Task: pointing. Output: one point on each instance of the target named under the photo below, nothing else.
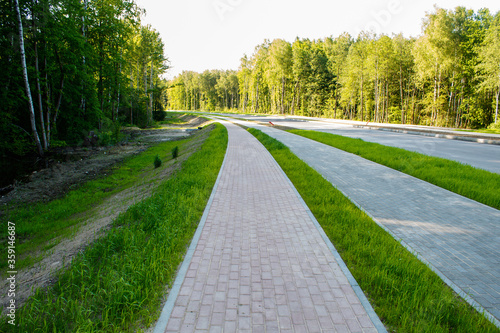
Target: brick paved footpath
(261, 264)
(457, 237)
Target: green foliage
(448, 76)
(159, 115)
(476, 184)
(118, 283)
(110, 133)
(489, 67)
(175, 152)
(405, 293)
(494, 126)
(58, 144)
(157, 162)
(87, 62)
(14, 139)
(210, 90)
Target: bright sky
(215, 34)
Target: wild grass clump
(117, 284)
(473, 183)
(157, 162)
(406, 294)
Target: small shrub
(58, 144)
(105, 138)
(494, 126)
(175, 152)
(157, 162)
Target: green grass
(404, 292)
(117, 284)
(40, 223)
(473, 183)
(483, 130)
(173, 118)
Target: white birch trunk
(26, 80)
(83, 101)
(496, 109)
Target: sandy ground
(55, 181)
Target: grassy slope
(117, 284)
(38, 224)
(405, 293)
(476, 184)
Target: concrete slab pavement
(458, 237)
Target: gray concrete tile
(458, 237)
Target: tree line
(448, 76)
(70, 66)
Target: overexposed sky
(215, 34)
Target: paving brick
(205, 310)
(174, 324)
(260, 263)
(354, 325)
(244, 323)
(216, 329)
(230, 326)
(313, 325)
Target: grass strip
(406, 294)
(173, 118)
(473, 183)
(38, 224)
(483, 130)
(117, 284)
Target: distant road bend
(483, 156)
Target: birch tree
(26, 79)
(337, 50)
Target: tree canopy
(87, 64)
(448, 76)
(78, 65)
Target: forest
(448, 76)
(74, 66)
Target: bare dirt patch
(190, 121)
(81, 166)
(98, 221)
